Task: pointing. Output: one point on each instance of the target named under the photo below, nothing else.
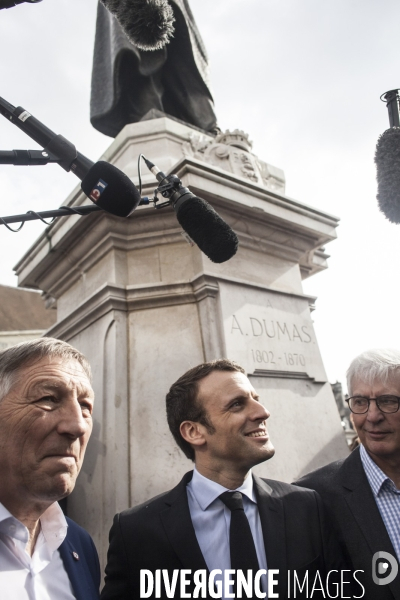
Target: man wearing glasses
(362, 492)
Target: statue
(128, 83)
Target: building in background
(344, 412)
(23, 316)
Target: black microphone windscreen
(387, 160)
(147, 23)
(111, 189)
(213, 236)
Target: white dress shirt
(41, 576)
(211, 521)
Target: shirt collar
(206, 491)
(53, 524)
(11, 527)
(375, 475)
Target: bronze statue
(129, 83)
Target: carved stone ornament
(232, 151)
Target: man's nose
(374, 414)
(71, 420)
(259, 412)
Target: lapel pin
(75, 555)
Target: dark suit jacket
(348, 498)
(160, 535)
(81, 562)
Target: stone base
(144, 306)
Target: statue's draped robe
(127, 82)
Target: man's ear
(193, 433)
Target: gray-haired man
(46, 403)
(363, 491)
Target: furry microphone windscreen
(387, 160)
(147, 23)
(213, 236)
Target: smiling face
(45, 425)
(379, 432)
(240, 439)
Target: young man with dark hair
(183, 404)
(220, 516)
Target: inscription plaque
(273, 335)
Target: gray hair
(26, 353)
(373, 365)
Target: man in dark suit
(362, 492)
(220, 516)
(46, 403)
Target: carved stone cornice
(112, 297)
(143, 297)
(238, 191)
(205, 286)
(264, 221)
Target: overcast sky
(302, 77)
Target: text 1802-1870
(268, 357)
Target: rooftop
(22, 309)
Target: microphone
(212, 235)
(11, 3)
(387, 160)
(111, 189)
(103, 183)
(148, 24)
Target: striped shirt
(387, 498)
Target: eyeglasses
(360, 405)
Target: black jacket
(348, 499)
(160, 535)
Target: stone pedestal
(144, 306)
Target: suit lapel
(361, 502)
(77, 572)
(272, 518)
(179, 527)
